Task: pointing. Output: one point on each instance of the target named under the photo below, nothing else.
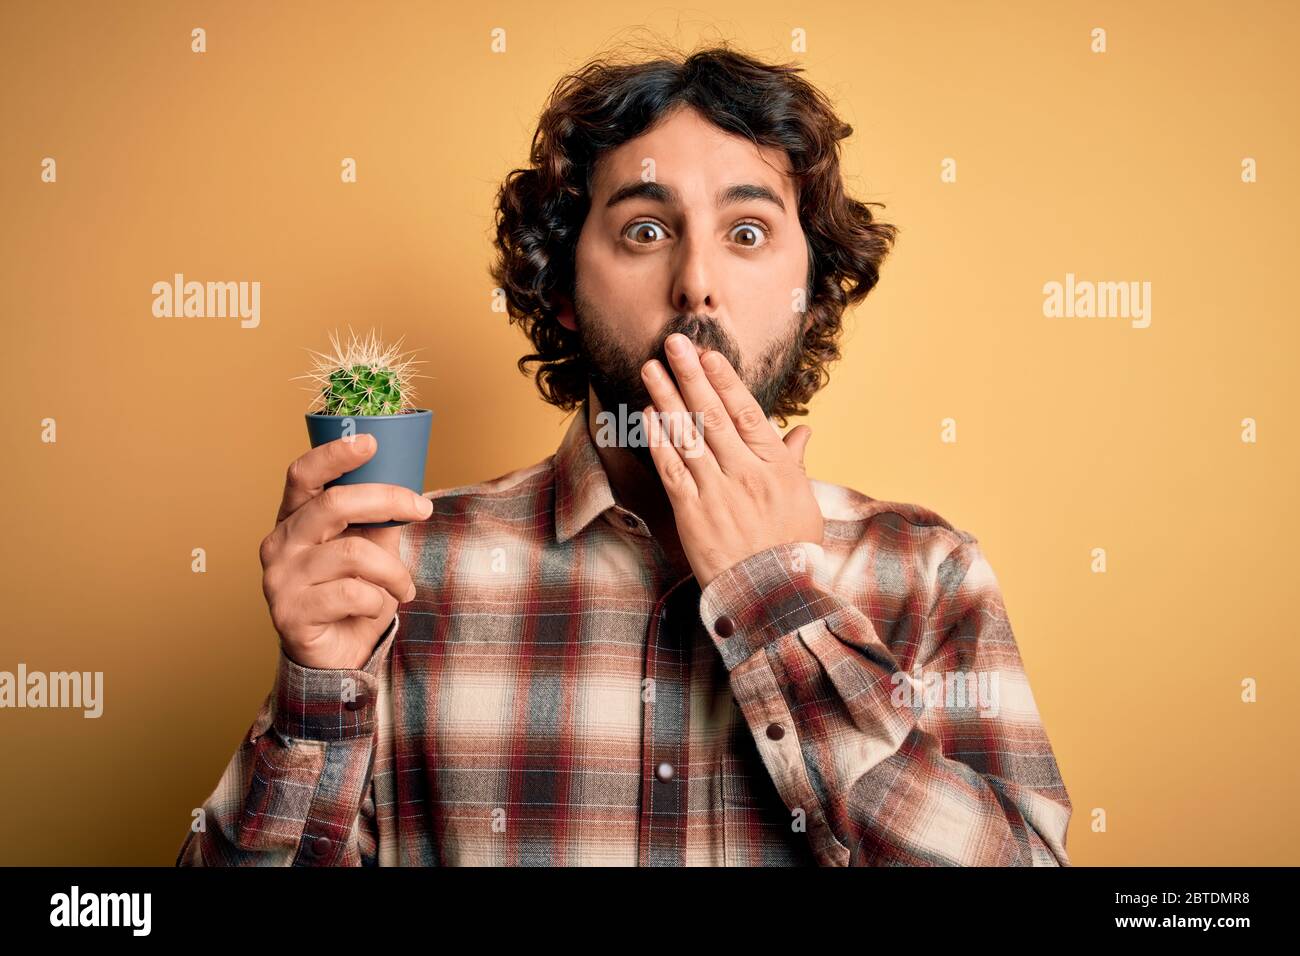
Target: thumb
(797, 441)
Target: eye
(755, 229)
(638, 229)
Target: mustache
(614, 372)
(703, 331)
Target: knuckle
(675, 471)
(713, 416)
(278, 620)
(266, 552)
(351, 550)
(272, 580)
(293, 474)
(750, 418)
(331, 499)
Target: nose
(694, 290)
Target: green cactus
(363, 378)
(363, 391)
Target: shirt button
(665, 771)
(775, 731)
(321, 845)
(725, 626)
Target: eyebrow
(727, 196)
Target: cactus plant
(363, 377)
(365, 388)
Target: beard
(615, 374)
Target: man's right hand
(333, 590)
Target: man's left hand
(739, 488)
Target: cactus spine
(363, 377)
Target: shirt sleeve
(298, 791)
(947, 764)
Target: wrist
(329, 703)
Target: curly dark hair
(540, 210)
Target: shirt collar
(582, 489)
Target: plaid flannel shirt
(554, 695)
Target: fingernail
(410, 595)
(426, 506)
(365, 442)
(678, 343)
(653, 369)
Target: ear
(565, 315)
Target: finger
(307, 475)
(350, 556)
(339, 599)
(390, 539)
(750, 422)
(702, 398)
(328, 514)
(676, 424)
(673, 472)
(797, 442)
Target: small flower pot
(403, 448)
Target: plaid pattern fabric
(554, 695)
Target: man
(664, 644)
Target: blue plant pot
(403, 448)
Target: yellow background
(1072, 433)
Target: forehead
(696, 157)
